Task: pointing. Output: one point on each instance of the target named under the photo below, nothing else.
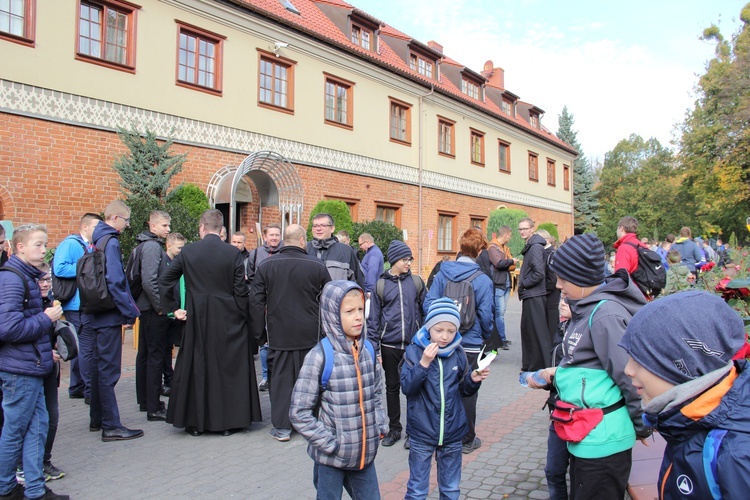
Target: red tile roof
(313, 22)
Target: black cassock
(214, 386)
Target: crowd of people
(334, 333)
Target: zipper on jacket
(442, 404)
(583, 390)
(664, 479)
(356, 353)
(403, 325)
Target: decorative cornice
(62, 107)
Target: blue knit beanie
(442, 309)
(398, 250)
(684, 336)
(580, 260)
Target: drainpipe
(421, 167)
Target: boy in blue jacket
(395, 315)
(693, 392)
(25, 359)
(436, 375)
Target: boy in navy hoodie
(436, 375)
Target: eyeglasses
(524, 228)
(126, 219)
(408, 260)
(321, 226)
(45, 280)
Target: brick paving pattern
(169, 463)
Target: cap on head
(580, 260)
(442, 309)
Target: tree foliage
(715, 142)
(641, 178)
(382, 232)
(551, 228)
(508, 217)
(147, 169)
(191, 197)
(585, 204)
(342, 219)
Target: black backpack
(462, 294)
(91, 274)
(650, 275)
(64, 288)
(133, 270)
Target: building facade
(278, 104)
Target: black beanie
(580, 260)
(398, 250)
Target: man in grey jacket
(154, 323)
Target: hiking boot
(391, 438)
(469, 447)
(263, 386)
(51, 472)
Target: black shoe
(407, 443)
(121, 434)
(470, 447)
(391, 438)
(51, 495)
(15, 494)
(159, 415)
(166, 391)
(193, 431)
(76, 395)
(95, 427)
(505, 346)
(263, 386)
(229, 432)
(87, 401)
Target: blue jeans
(360, 484)
(24, 432)
(264, 361)
(448, 458)
(557, 466)
(501, 304)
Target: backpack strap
(328, 360)
(591, 317)
(471, 278)
(23, 280)
(418, 283)
(380, 288)
(710, 454)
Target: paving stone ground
(168, 463)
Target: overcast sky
(620, 67)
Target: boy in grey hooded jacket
(342, 424)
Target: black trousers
(470, 404)
(149, 362)
(553, 312)
(536, 343)
(392, 357)
(174, 337)
(594, 478)
(283, 370)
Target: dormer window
(534, 121)
(470, 88)
(421, 65)
(506, 107)
(361, 36)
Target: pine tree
(148, 168)
(585, 204)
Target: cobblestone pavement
(169, 463)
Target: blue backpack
(328, 360)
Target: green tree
(641, 178)
(382, 232)
(508, 217)
(585, 204)
(551, 228)
(191, 197)
(147, 169)
(715, 142)
(342, 219)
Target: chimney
(435, 46)
(495, 76)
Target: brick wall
(54, 172)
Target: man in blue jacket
(372, 262)
(66, 258)
(105, 355)
(25, 359)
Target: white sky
(620, 67)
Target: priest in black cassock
(214, 386)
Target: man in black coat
(285, 303)
(214, 387)
(536, 342)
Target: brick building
(279, 104)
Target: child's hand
(429, 354)
(478, 376)
(54, 313)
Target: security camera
(281, 45)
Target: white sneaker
(20, 478)
(282, 435)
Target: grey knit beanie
(398, 250)
(580, 260)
